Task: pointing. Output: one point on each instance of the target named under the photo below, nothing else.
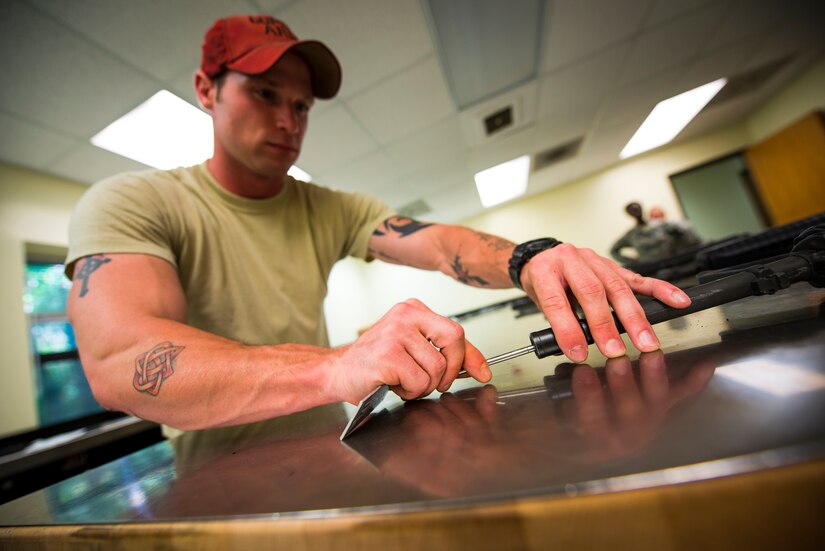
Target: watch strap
(523, 252)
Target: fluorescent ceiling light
(669, 117)
(299, 174)
(503, 182)
(164, 132)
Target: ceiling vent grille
(557, 154)
(415, 209)
(748, 81)
(499, 120)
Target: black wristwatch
(524, 252)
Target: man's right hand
(412, 349)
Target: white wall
(34, 209)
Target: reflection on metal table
(737, 389)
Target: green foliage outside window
(62, 391)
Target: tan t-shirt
(253, 270)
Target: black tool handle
(757, 280)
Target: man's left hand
(597, 284)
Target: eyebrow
(275, 83)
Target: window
(62, 392)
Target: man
(197, 295)
(652, 240)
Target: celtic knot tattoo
(155, 366)
(91, 264)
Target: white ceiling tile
(802, 33)
(367, 174)
(129, 29)
(437, 177)
(664, 10)
(633, 102)
(433, 145)
(454, 203)
(724, 62)
(272, 6)
(524, 142)
(672, 44)
(403, 104)
(334, 138)
(373, 39)
(582, 85)
(395, 194)
(26, 144)
(89, 164)
(747, 18)
(560, 128)
(57, 79)
(183, 86)
(578, 28)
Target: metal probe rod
(510, 355)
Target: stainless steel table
(736, 397)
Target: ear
(205, 89)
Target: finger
(590, 291)
(409, 381)
(627, 401)
(590, 403)
(448, 337)
(693, 383)
(625, 305)
(487, 403)
(475, 365)
(653, 377)
(553, 302)
(474, 427)
(428, 359)
(661, 290)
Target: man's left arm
(550, 278)
(468, 256)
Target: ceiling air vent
(748, 81)
(499, 120)
(414, 209)
(548, 157)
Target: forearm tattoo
(462, 275)
(494, 242)
(155, 366)
(90, 264)
(400, 226)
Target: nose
(286, 119)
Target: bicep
(406, 241)
(112, 291)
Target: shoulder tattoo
(400, 226)
(90, 265)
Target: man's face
(260, 120)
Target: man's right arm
(129, 314)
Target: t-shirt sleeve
(363, 214)
(118, 215)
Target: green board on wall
(717, 200)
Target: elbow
(102, 387)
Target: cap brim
(323, 65)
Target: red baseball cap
(251, 44)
